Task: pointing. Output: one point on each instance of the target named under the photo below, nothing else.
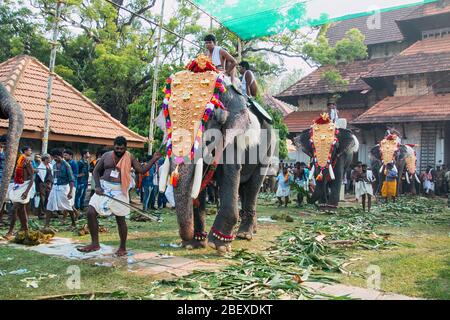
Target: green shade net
(250, 19)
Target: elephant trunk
(9, 109)
(184, 201)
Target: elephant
(235, 179)
(328, 188)
(11, 111)
(400, 158)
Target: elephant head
(231, 121)
(328, 175)
(9, 109)
(411, 164)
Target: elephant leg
(335, 186)
(200, 235)
(248, 213)
(221, 233)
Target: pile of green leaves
(405, 211)
(256, 276)
(304, 253)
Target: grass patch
(415, 261)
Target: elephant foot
(198, 242)
(248, 225)
(193, 244)
(219, 241)
(329, 208)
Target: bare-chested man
(112, 175)
(21, 191)
(219, 56)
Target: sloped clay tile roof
(429, 9)
(388, 31)
(408, 109)
(352, 72)
(301, 120)
(283, 107)
(428, 55)
(72, 114)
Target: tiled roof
(283, 107)
(301, 120)
(72, 114)
(429, 9)
(408, 109)
(352, 72)
(429, 55)
(388, 31)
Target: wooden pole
(54, 44)
(239, 49)
(155, 83)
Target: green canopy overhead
(250, 19)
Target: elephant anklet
(222, 237)
(200, 236)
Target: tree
(346, 50)
(19, 35)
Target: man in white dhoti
(21, 191)
(62, 192)
(363, 178)
(112, 175)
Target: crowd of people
(359, 181)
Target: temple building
(405, 81)
(75, 122)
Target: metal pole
(51, 75)
(155, 82)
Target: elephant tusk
(381, 168)
(198, 174)
(164, 175)
(407, 178)
(311, 173)
(417, 178)
(331, 171)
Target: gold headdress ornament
(191, 96)
(323, 139)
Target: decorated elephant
(411, 168)
(224, 130)
(390, 150)
(331, 151)
(10, 110)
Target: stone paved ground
(138, 261)
(165, 267)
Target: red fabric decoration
(323, 119)
(193, 66)
(18, 175)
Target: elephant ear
(302, 142)
(375, 152)
(237, 117)
(347, 142)
(402, 152)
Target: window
(442, 85)
(436, 33)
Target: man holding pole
(112, 175)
